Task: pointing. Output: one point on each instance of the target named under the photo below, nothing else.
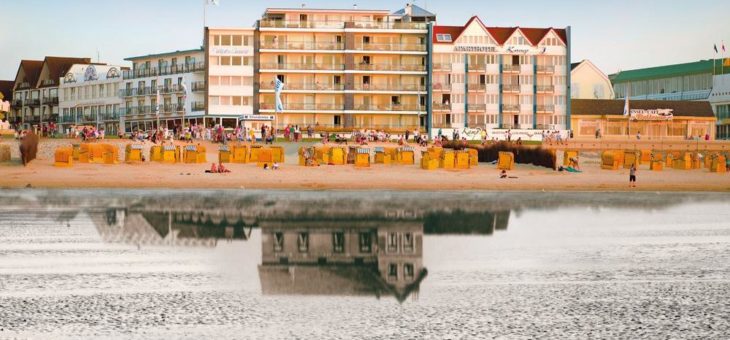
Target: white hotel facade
(500, 78)
(88, 96)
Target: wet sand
(42, 174)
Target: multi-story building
(89, 96)
(345, 69)
(26, 100)
(6, 99)
(500, 78)
(173, 75)
(688, 81)
(588, 82)
(230, 77)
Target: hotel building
(345, 69)
(88, 96)
(230, 76)
(180, 78)
(499, 78)
(36, 90)
(720, 101)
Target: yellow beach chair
(133, 153)
(506, 161)
(63, 157)
(362, 157)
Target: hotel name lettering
(475, 49)
(495, 49)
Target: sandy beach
(42, 174)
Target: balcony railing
(303, 86)
(510, 88)
(23, 86)
(509, 68)
(198, 106)
(389, 107)
(441, 106)
(388, 87)
(545, 69)
(442, 67)
(390, 67)
(477, 67)
(48, 82)
(172, 88)
(387, 25)
(391, 47)
(198, 86)
(507, 126)
(441, 87)
(167, 70)
(545, 88)
(477, 107)
(302, 45)
(510, 108)
(33, 102)
(301, 66)
(17, 103)
(303, 106)
(545, 108)
(477, 87)
(50, 100)
(301, 24)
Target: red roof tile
(501, 34)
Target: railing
(389, 107)
(386, 25)
(391, 47)
(172, 88)
(442, 67)
(167, 70)
(477, 87)
(67, 119)
(507, 126)
(388, 87)
(508, 68)
(510, 88)
(301, 66)
(545, 108)
(302, 45)
(389, 67)
(198, 106)
(477, 107)
(477, 67)
(547, 127)
(50, 100)
(48, 82)
(441, 106)
(198, 86)
(545, 88)
(510, 108)
(303, 106)
(441, 87)
(23, 86)
(17, 103)
(33, 102)
(303, 86)
(300, 24)
(545, 69)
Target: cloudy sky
(615, 35)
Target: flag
(723, 46)
(626, 103)
(715, 47)
(278, 86)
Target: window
(226, 40)
(226, 61)
(236, 61)
(237, 40)
(446, 37)
(365, 241)
(303, 242)
(392, 242)
(278, 241)
(392, 271)
(338, 242)
(408, 271)
(236, 101)
(408, 242)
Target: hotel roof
(32, 69)
(326, 10)
(416, 11)
(666, 71)
(500, 34)
(58, 66)
(164, 54)
(611, 107)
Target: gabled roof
(416, 11)
(611, 107)
(501, 34)
(32, 70)
(6, 88)
(58, 66)
(164, 54)
(666, 71)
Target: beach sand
(42, 174)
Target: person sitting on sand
(222, 169)
(213, 169)
(503, 174)
(275, 166)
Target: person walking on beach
(632, 176)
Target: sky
(615, 35)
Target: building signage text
(257, 117)
(656, 114)
(230, 50)
(495, 49)
(475, 49)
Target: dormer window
(446, 37)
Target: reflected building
(342, 257)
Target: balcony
(33, 102)
(442, 67)
(301, 24)
(509, 68)
(510, 88)
(441, 106)
(388, 107)
(172, 88)
(391, 47)
(545, 88)
(302, 45)
(48, 82)
(507, 126)
(303, 86)
(477, 67)
(198, 106)
(441, 87)
(67, 119)
(50, 100)
(477, 87)
(167, 70)
(303, 106)
(388, 87)
(390, 67)
(198, 86)
(386, 25)
(510, 108)
(545, 108)
(301, 66)
(477, 107)
(17, 103)
(23, 86)
(545, 69)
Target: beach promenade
(42, 174)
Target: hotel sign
(656, 114)
(495, 49)
(475, 49)
(257, 117)
(227, 50)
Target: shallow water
(161, 264)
